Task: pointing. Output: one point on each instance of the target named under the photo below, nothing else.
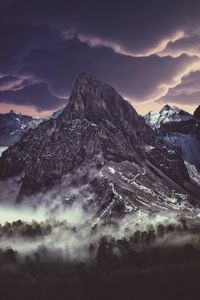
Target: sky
(148, 50)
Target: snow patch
(111, 170)
(193, 173)
(2, 149)
(187, 144)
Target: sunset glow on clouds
(149, 51)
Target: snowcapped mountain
(181, 132)
(13, 126)
(168, 115)
(101, 154)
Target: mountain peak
(166, 107)
(167, 115)
(97, 146)
(12, 112)
(88, 84)
(97, 101)
(83, 76)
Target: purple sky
(148, 50)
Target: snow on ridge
(166, 115)
(193, 173)
(187, 144)
(2, 149)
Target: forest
(161, 262)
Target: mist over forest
(48, 256)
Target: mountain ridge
(111, 160)
(180, 131)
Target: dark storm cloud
(36, 95)
(52, 41)
(134, 77)
(5, 3)
(17, 40)
(136, 25)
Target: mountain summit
(169, 114)
(99, 103)
(96, 101)
(180, 131)
(100, 153)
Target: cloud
(136, 78)
(134, 25)
(10, 82)
(143, 49)
(17, 40)
(187, 92)
(36, 95)
(189, 44)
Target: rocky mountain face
(100, 153)
(197, 113)
(180, 131)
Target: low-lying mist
(69, 233)
(57, 252)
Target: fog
(68, 232)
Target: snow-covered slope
(2, 149)
(13, 126)
(188, 145)
(167, 115)
(180, 131)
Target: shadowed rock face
(197, 113)
(99, 145)
(99, 103)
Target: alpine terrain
(100, 153)
(13, 126)
(180, 131)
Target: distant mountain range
(14, 125)
(100, 153)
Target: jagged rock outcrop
(197, 113)
(99, 148)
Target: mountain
(13, 126)
(197, 113)
(101, 154)
(180, 131)
(56, 113)
(170, 118)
